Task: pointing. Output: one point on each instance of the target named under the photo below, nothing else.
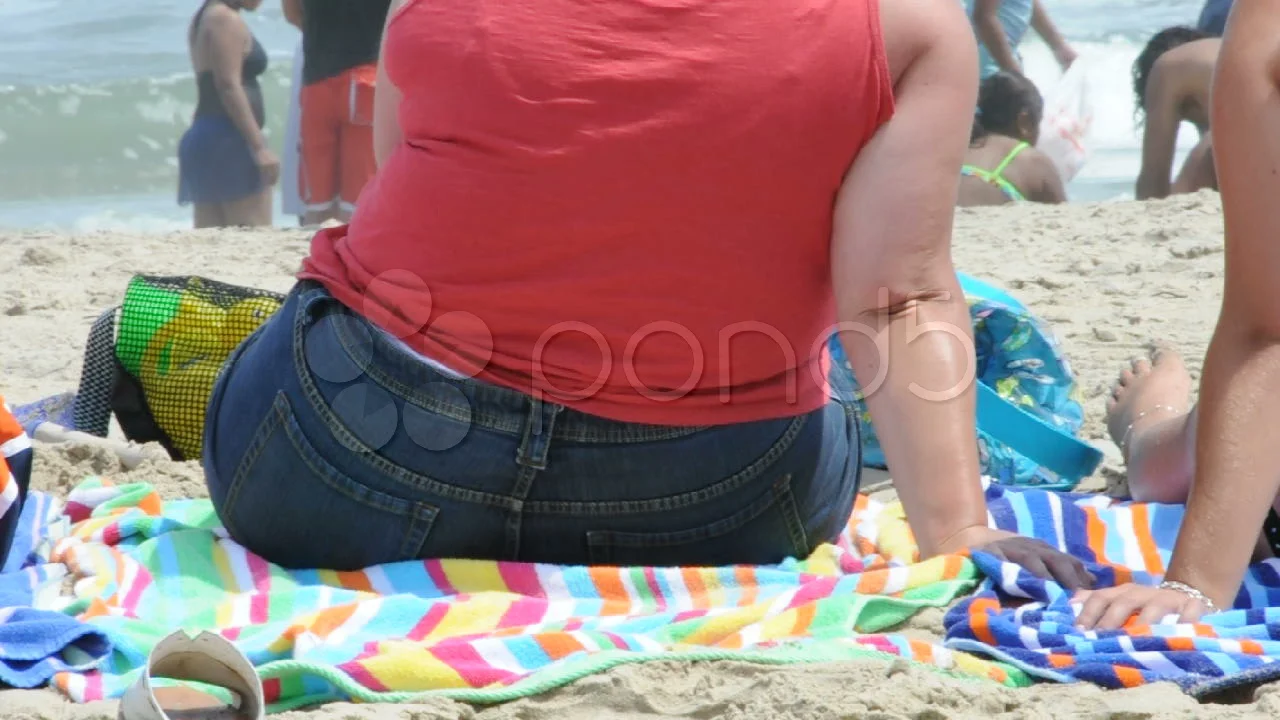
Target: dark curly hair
(1160, 43)
(1002, 97)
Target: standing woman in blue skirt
(225, 167)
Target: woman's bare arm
(905, 323)
(1160, 134)
(891, 258)
(1197, 171)
(1048, 31)
(293, 12)
(990, 31)
(386, 101)
(222, 39)
(1237, 468)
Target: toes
(1126, 377)
(1141, 366)
(1164, 354)
(1158, 348)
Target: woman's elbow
(1248, 319)
(227, 87)
(889, 297)
(987, 27)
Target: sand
(1111, 278)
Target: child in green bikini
(1002, 164)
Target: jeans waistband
(481, 404)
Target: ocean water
(95, 95)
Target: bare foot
(1147, 391)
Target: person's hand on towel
(1112, 607)
(1036, 556)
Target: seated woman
(1219, 457)
(1002, 164)
(581, 312)
(1171, 80)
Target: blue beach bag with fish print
(1029, 410)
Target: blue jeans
(328, 445)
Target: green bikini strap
(1017, 149)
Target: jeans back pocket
(292, 507)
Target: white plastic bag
(1068, 118)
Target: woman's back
(1001, 169)
(592, 198)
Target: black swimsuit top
(210, 102)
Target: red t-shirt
(624, 207)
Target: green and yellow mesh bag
(173, 335)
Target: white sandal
(207, 658)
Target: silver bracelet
(1190, 592)
(1124, 439)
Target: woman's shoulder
(1187, 60)
(1032, 155)
(1028, 157)
(220, 17)
(1030, 150)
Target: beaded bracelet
(1190, 592)
(1124, 439)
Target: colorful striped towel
(484, 631)
(36, 644)
(1020, 619)
(15, 476)
(27, 579)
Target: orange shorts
(336, 138)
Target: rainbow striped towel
(15, 477)
(483, 631)
(1025, 621)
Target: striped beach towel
(15, 477)
(41, 523)
(1030, 623)
(34, 644)
(484, 631)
